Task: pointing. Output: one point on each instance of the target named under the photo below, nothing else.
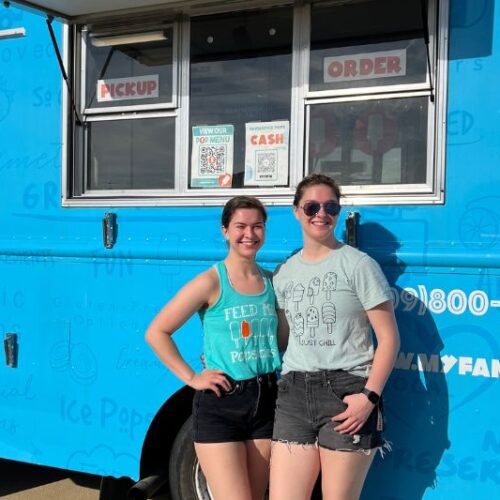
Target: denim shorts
(308, 400)
(243, 413)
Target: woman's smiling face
(245, 233)
(318, 227)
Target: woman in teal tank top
(233, 406)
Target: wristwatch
(371, 395)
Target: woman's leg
(225, 468)
(294, 470)
(258, 455)
(343, 473)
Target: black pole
(424, 7)
(61, 66)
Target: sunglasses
(311, 208)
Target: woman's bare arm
(196, 294)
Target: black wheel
(187, 481)
(113, 488)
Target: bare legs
(239, 471)
(345, 473)
(295, 468)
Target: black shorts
(307, 401)
(245, 412)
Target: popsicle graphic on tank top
(241, 332)
(245, 330)
(250, 332)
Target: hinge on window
(351, 229)
(109, 230)
(11, 349)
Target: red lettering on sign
(126, 88)
(379, 65)
(151, 87)
(335, 69)
(393, 64)
(365, 66)
(142, 88)
(104, 90)
(129, 89)
(268, 139)
(350, 68)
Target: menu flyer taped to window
(266, 153)
(212, 156)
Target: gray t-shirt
(325, 304)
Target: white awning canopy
(84, 11)
(81, 11)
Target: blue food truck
(125, 126)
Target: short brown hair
(241, 202)
(315, 180)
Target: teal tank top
(240, 330)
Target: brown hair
(315, 180)
(241, 202)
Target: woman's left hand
(355, 415)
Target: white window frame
(432, 192)
(172, 104)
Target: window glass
(367, 43)
(129, 69)
(131, 154)
(370, 142)
(240, 73)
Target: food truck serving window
(189, 109)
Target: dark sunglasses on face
(311, 208)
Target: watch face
(372, 396)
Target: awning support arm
(425, 26)
(61, 66)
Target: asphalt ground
(20, 481)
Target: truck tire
(186, 479)
(113, 488)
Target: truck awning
(81, 11)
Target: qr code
(213, 160)
(266, 165)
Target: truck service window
(359, 51)
(241, 73)
(126, 141)
(197, 104)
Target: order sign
(364, 66)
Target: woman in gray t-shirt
(329, 410)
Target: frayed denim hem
(385, 448)
(294, 443)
